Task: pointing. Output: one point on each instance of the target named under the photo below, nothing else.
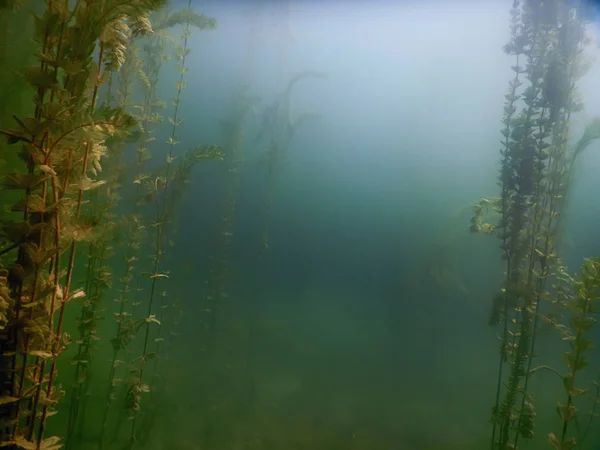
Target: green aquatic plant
(482, 211)
(129, 226)
(278, 122)
(441, 266)
(233, 129)
(216, 292)
(591, 133)
(547, 45)
(213, 328)
(278, 128)
(161, 190)
(101, 210)
(178, 180)
(146, 72)
(102, 204)
(145, 67)
(584, 428)
(136, 387)
(63, 143)
(38, 261)
(583, 305)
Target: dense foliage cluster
(547, 43)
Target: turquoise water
(320, 289)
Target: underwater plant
(278, 128)
(130, 226)
(547, 41)
(101, 210)
(63, 143)
(146, 71)
(214, 331)
(162, 189)
(583, 305)
(216, 291)
(233, 144)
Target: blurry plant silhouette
(233, 143)
(547, 41)
(278, 128)
(277, 131)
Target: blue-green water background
(337, 337)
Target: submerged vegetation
(69, 183)
(547, 41)
(95, 67)
(94, 183)
(279, 123)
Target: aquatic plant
(162, 189)
(63, 144)
(101, 209)
(144, 67)
(583, 427)
(233, 144)
(278, 128)
(174, 189)
(129, 226)
(136, 386)
(547, 42)
(233, 128)
(582, 306)
(146, 71)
